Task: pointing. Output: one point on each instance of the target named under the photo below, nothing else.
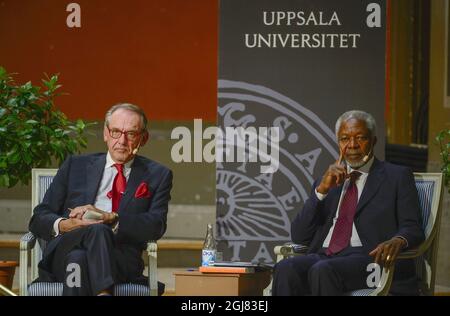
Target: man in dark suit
(362, 210)
(129, 192)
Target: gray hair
(359, 115)
(129, 107)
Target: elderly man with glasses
(101, 209)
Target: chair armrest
(27, 242)
(409, 254)
(388, 272)
(152, 252)
(289, 249)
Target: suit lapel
(138, 170)
(335, 196)
(335, 202)
(374, 180)
(94, 173)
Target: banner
(287, 70)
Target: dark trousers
(91, 259)
(84, 260)
(318, 274)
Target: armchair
(31, 245)
(429, 187)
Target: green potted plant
(33, 132)
(443, 138)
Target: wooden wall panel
(159, 54)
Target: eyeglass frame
(138, 133)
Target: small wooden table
(195, 283)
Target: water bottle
(209, 247)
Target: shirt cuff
(403, 239)
(320, 196)
(55, 226)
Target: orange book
(211, 269)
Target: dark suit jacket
(140, 219)
(388, 207)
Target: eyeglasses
(359, 139)
(130, 135)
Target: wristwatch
(116, 218)
(115, 224)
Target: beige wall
(194, 183)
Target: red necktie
(342, 232)
(119, 185)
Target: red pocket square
(142, 191)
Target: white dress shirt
(355, 241)
(102, 201)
